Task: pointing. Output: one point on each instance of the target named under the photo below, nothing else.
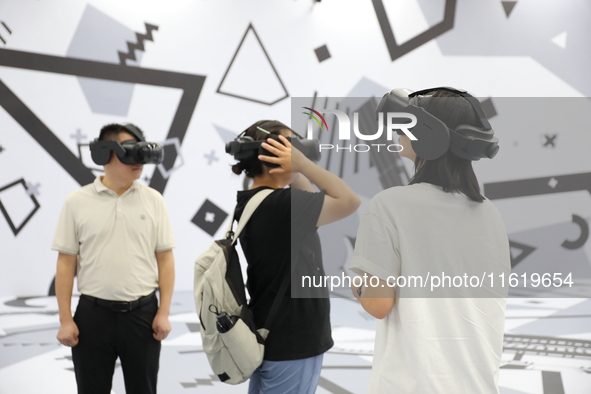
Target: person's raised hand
(288, 158)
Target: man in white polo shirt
(115, 235)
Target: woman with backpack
(280, 240)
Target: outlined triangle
(525, 250)
(270, 63)
(508, 7)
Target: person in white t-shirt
(435, 335)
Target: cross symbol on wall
(550, 140)
(78, 136)
(211, 157)
(33, 190)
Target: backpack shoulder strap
(275, 306)
(251, 206)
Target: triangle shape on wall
(519, 252)
(508, 7)
(225, 134)
(251, 74)
(560, 40)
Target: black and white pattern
(194, 76)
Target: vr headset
(434, 138)
(245, 147)
(128, 152)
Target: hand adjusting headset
(128, 152)
(434, 138)
(245, 147)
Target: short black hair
(111, 131)
(254, 167)
(450, 172)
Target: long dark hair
(253, 167)
(450, 172)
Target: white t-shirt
(434, 345)
(115, 238)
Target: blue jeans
(286, 377)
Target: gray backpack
(233, 344)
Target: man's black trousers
(106, 334)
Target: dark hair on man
(111, 131)
(254, 167)
(450, 172)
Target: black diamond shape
(209, 217)
(322, 53)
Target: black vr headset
(128, 152)
(245, 147)
(434, 138)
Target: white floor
(32, 361)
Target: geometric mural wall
(185, 83)
(192, 86)
(196, 74)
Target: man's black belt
(120, 306)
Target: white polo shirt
(115, 239)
